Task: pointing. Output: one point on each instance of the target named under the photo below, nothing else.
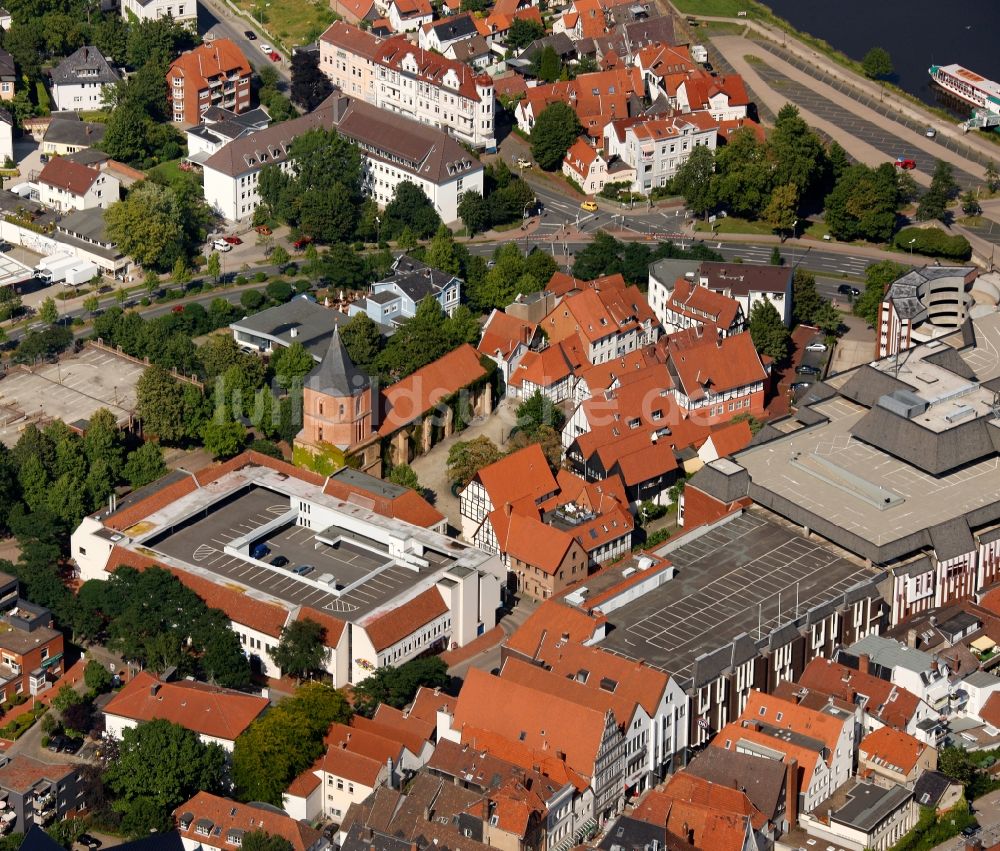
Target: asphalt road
(882, 136)
(219, 20)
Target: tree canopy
(397, 686)
(863, 204)
(300, 651)
(769, 334)
(555, 130)
(468, 457)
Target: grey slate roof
(311, 323)
(930, 787)
(867, 385)
(761, 780)
(85, 65)
(70, 131)
(6, 64)
(868, 805)
(336, 374)
(727, 482)
(952, 539)
(416, 279)
(454, 27)
(631, 834)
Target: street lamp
(378, 229)
(911, 246)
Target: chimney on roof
(154, 688)
(911, 639)
(864, 660)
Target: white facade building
(182, 11)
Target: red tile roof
(412, 8)
(240, 608)
(406, 722)
(545, 368)
(23, 772)
(225, 815)
(990, 713)
(580, 157)
(891, 704)
(428, 701)
(806, 757)
(717, 365)
(531, 541)
(74, 177)
(413, 740)
(547, 625)
(525, 473)
(333, 626)
(545, 762)
(432, 68)
(618, 370)
(358, 41)
(703, 304)
(892, 749)
(731, 438)
(597, 97)
(204, 709)
(765, 708)
(341, 737)
(701, 86)
(502, 334)
(537, 720)
(208, 61)
(406, 618)
(407, 400)
(409, 507)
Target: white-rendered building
(183, 11)
(78, 81)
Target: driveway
(432, 468)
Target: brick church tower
(336, 402)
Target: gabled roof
(808, 756)
(22, 772)
(333, 626)
(432, 68)
(825, 728)
(990, 713)
(762, 780)
(384, 497)
(503, 333)
(525, 473)
(546, 368)
(581, 156)
(65, 174)
(336, 374)
(413, 396)
(619, 370)
(405, 619)
(85, 65)
(717, 365)
(533, 718)
(208, 61)
(531, 541)
(358, 41)
(428, 702)
(231, 818)
(343, 738)
(703, 304)
(731, 438)
(892, 749)
(545, 627)
(202, 708)
(406, 723)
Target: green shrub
(260, 277)
(933, 242)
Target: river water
(917, 34)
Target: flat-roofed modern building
(385, 589)
(922, 305)
(895, 461)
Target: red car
(905, 163)
(302, 242)
(177, 309)
(233, 240)
(274, 56)
(263, 230)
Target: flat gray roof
(743, 569)
(300, 320)
(869, 805)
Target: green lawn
(817, 230)
(713, 8)
(170, 171)
(42, 96)
(732, 224)
(290, 22)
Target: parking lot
(71, 390)
(339, 566)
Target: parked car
(263, 230)
(72, 745)
(221, 245)
(279, 561)
(233, 240)
(589, 206)
(177, 308)
(800, 385)
(265, 48)
(848, 290)
(302, 242)
(44, 158)
(303, 569)
(523, 163)
(807, 369)
(274, 56)
(250, 34)
(905, 163)
(931, 133)
(707, 66)
(89, 841)
(259, 551)
(56, 742)
(816, 347)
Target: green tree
(362, 339)
(877, 64)
(252, 300)
(397, 686)
(144, 465)
(92, 304)
(955, 763)
(96, 677)
(405, 476)
(292, 364)
(67, 832)
(409, 208)
(992, 176)
(693, 180)
(769, 334)
(970, 204)
(48, 312)
(160, 405)
(468, 457)
(310, 86)
(522, 32)
(280, 255)
(285, 741)
(537, 411)
(159, 766)
(223, 436)
(156, 225)
(776, 258)
(943, 179)
(442, 253)
(863, 204)
(300, 650)
(744, 175)
(906, 187)
(258, 840)
(150, 282)
(555, 130)
(796, 152)
(878, 276)
(213, 268)
(220, 352)
(547, 65)
(127, 131)
(103, 441)
(780, 212)
(805, 297)
(181, 274)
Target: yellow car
(589, 206)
